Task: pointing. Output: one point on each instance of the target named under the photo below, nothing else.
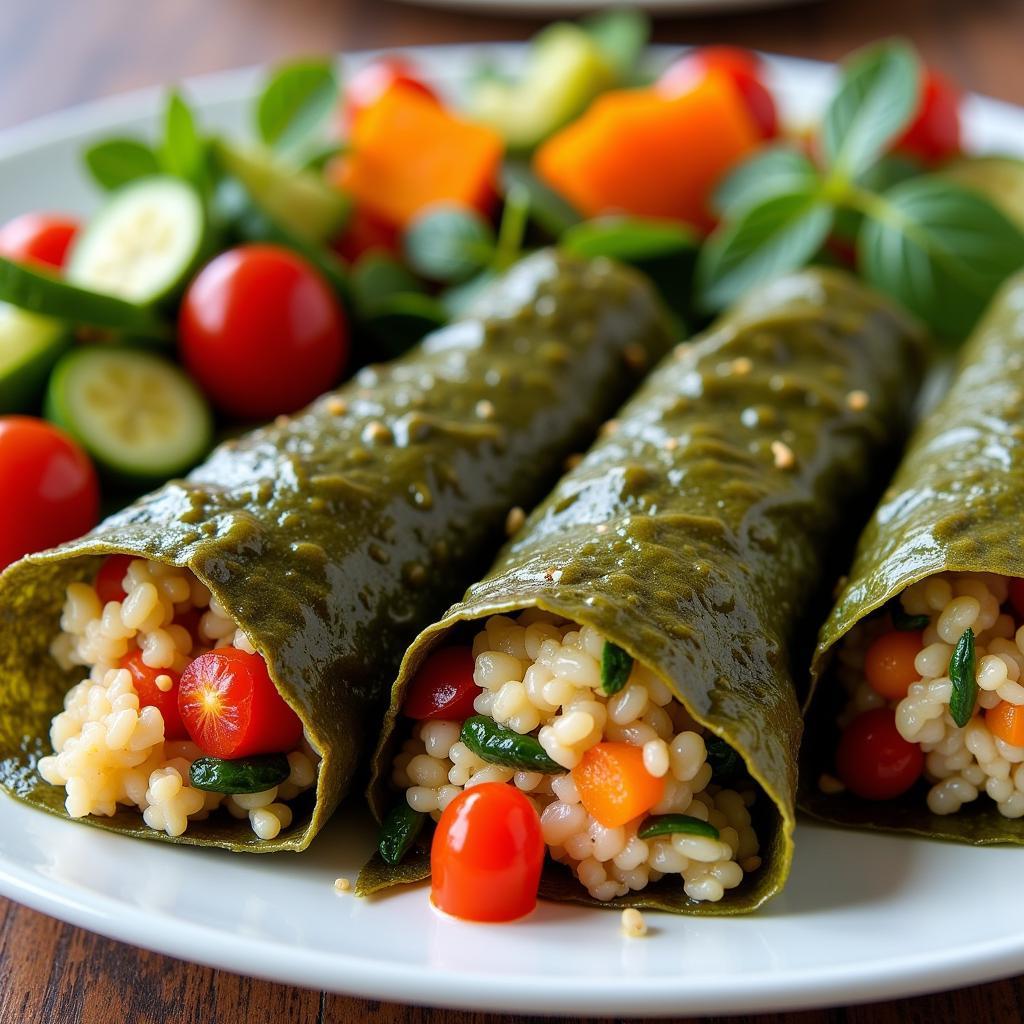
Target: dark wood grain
(58, 52)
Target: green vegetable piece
(398, 833)
(295, 102)
(725, 762)
(244, 775)
(115, 162)
(548, 210)
(673, 824)
(29, 347)
(498, 745)
(183, 152)
(903, 621)
(616, 665)
(621, 35)
(629, 239)
(515, 218)
(964, 680)
(376, 278)
(778, 170)
(448, 242)
(999, 178)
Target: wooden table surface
(57, 52)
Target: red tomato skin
(369, 83)
(261, 332)
(51, 492)
(232, 709)
(150, 695)
(109, 580)
(39, 238)
(934, 134)
(487, 854)
(1017, 597)
(743, 66)
(874, 761)
(443, 687)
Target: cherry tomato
(369, 83)
(40, 238)
(366, 233)
(874, 761)
(261, 332)
(51, 493)
(231, 708)
(1017, 597)
(889, 663)
(934, 134)
(110, 579)
(443, 687)
(151, 696)
(745, 69)
(487, 854)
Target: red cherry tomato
(231, 708)
(40, 238)
(110, 579)
(1017, 597)
(369, 83)
(487, 854)
(151, 696)
(366, 233)
(934, 134)
(874, 761)
(889, 663)
(51, 493)
(261, 332)
(745, 69)
(443, 687)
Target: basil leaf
(115, 162)
(725, 762)
(448, 242)
(676, 824)
(295, 102)
(399, 832)
(775, 171)
(905, 622)
(375, 278)
(629, 239)
(548, 210)
(183, 151)
(939, 249)
(777, 235)
(878, 95)
(962, 676)
(621, 35)
(616, 666)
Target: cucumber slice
(144, 244)
(999, 178)
(299, 200)
(29, 346)
(137, 414)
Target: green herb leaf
(877, 98)
(115, 162)
(183, 152)
(725, 763)
(904, 621)
(673, 824)
(965, 682)
(399, 832)
(616, 666)
(629, 239)
(318, 157)
(940, 249)
(376, 277)
(548, 210)
(780, 170)
(515, 217)
(448, 242)
(498, 744)
(295, 102)
(621, 35)
(777, 235)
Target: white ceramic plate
(552, 8)
(864, 917)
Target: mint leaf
(777, 235)
(878, 96)
(376, 278)
(115, 162)
(775, 171)
(295, 103)
(448, 242)
(183, 152)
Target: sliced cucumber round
(29, 346)
(144, 244)
(137, 414)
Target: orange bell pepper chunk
(637, 151)
(409, 152)
(1006, 721)
(614, 785)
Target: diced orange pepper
(637, 151)
(409, 152)
(1006, 721)
(614, 785)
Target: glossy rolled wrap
(688, 538)
(332, 536)
(956, 504)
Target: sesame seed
(572, 461)
(635, 356)
(485, 409)
(670, 444)
(681, 350)
(857, 400)
(633, 924)
(830, 785)
(783, 455)
(336, 406)
(281, 421)
(608, 428)
(376, 432)
(742, 366)
(514, 521)
(342, 885)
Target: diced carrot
(640, 152)
(409, 152)
(614, 785)
(889, 663)
(1006, 721)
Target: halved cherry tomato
(231, 708)
(369, 83)
(934, 134)
(110, 579)
(443, 687)
(261, 332)
(50, 490)
(1006, 721)
(614, 785)
(40, 238)
(889, 663)
(150, 695)
(744, 67)
(487, 855)
(1017, 597)
(874, 761)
